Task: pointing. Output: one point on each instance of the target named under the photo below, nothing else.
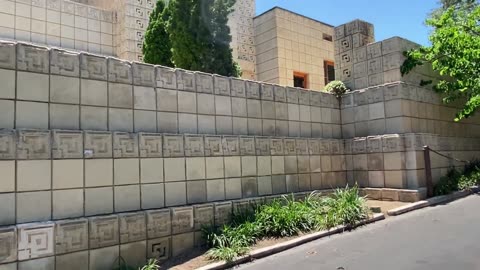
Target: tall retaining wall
(101, 158)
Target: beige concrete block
(34, 206)
(7, 172)
(394, 161)
(153, 196)
(7, 208)
(174, 169)
(7, 20)
(232, 167)
(395, 179)
(126, 171)
(249, 166)
(135, 254)
(43, 263)
(151, 170)
(127, 198)
(376, 179)
(182, 243)
(264, 185)
(7, 112)
(216, 190)
(31, 115)
(196, 192)
(23, 24)
(98, 172)
(278, 165)
(233, 188)
(98, 201)
(264, 165)
(214, 167)
(67, 203)
(72, 261)
(175, 194)
(33, 175)
(120, 120)
(67, 173)
(7, 77)
(64, 89)
(104, 258)
(32, 86)
(195, 168)
(64, 116)
(144, 98)
(93, 118)
(94, 92)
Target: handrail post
(428, 171)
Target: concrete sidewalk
(442, 237)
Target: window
(327, 37)
(300, 79)
(329, 71)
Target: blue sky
(404, 18)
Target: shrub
(283, 218)
(337, 88)
(455, 180)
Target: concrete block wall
(58, 23)
(396, 161)
(89, 92)
(399, 108)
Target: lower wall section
(98, 243)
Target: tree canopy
(454, 53)
(196, 35)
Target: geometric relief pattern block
(119, 71)
(204, 82)
(125, 145)
(132, 227)
(33, 144)
(8, 245)
(267, 92)
(280, 93)
(150, 145)
(393, 143)
(173, 146)
(238, 88)
(67, 144)
(159, 248)
(247, 146)
(289, 147)
(32, 58)
(203, 216)
(292, 95)
(231, 146)
(182, 220)
(103, 231)
(302, 146)
(35, 240)
(253, 90)
(194, 146)
(93, 67)
(336, 147)
(325, 147)
(64, 63)
(223, 212)
(8, 55)
(71, 236)
(304, 97)
(276, 147)
(143, 74)
(374, 144)
(222, 85)
(262, 146)
(166, 77)
(185, 80)
(314, 147)
(213, 146)
(159, 223)
(98, 144)
(8, 144)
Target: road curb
(267, 251)
(432, 201)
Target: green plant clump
(455, 180)
(284, 218)
(337, 88)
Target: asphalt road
(445, 237)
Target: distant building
(277, 46)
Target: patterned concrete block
(8, 245)
(247, 146)
(119, 71)
(71, 236)
(158, 223)
(35, 240)
(8, 144)
(238, 87)
(194, 146)
(173, 146)
(167, 78)
(222, 85)
(159, 248)
(204, 82)
(67, 144)
(133, 227)
(98, 144)
(143, 74)
(125, 145)
(223, 212)
(204, 216)
(103, 231)
(8, 54)
(182, 220)
(32, 58)
(253, 90)
(93, 67)
(150, 145)
(231, 145)
(33, 144)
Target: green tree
(157, 48)
(454, 53)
